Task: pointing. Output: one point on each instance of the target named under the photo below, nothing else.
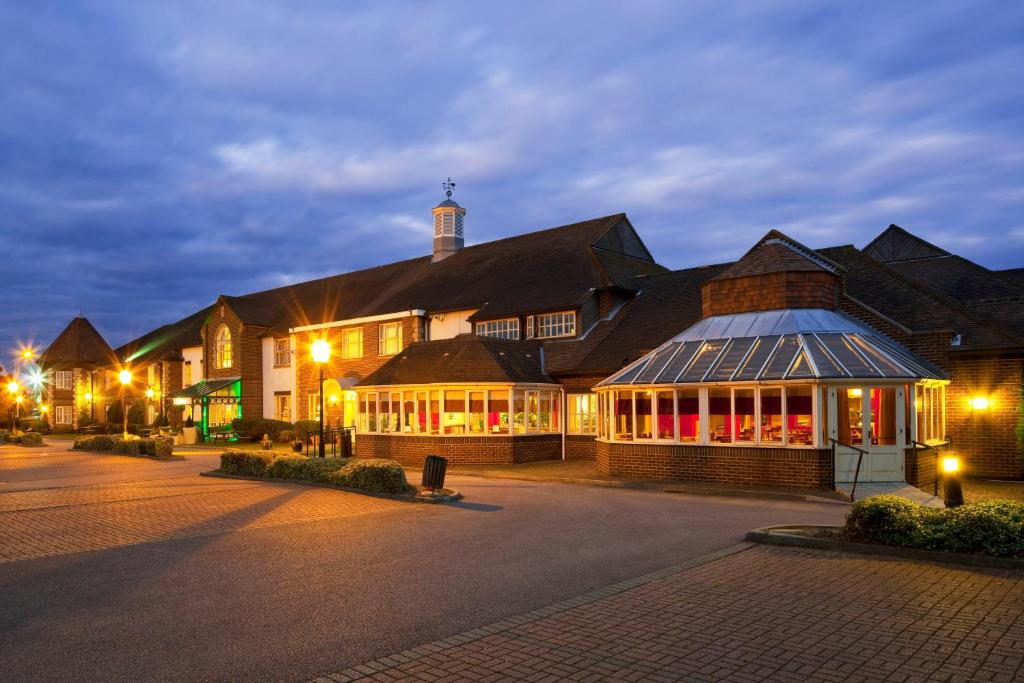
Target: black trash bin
(433, 472)
(346, 442)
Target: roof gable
(464, 358)
(78, 345)
(895, 244)
(777, 253)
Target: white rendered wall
(195, 355)
(276, 379)
(447, 325)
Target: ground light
(952, 484)
(321, 351)
(125, 377)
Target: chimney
(448, 218)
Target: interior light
(856, 393)
(951, 464)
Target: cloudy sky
(154, 155)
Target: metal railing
(337, 441)
(918, 446)
(860, 458)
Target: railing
(860, 458)
(337, 440)
(935, 447)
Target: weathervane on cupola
(448, 220)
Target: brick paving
(749, 613)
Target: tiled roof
(78, 345)
(776, 253)
(165, 341)
(958, 278)
(895, 244)
(1014, 276)
(204, 387)
(465, 358)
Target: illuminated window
(497, 412)
(720, 415)
(582, 413)
(624, 415)
(644, 408)
(476, 412)
(689, 414)
(389, 341)
(188, 373)
(556, 325)
(283, 407)
(282, 353)
(63, 415)
(502, 329)
(64, 379)
(314, 405)
(352, 343)
(800, 415)
(771, 415)
(455, 412)
(223, 347)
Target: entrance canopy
(787, 344)
(206, 387)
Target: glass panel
(629, 375)
(771, 416)
(782, 358)
(519, 412)
(454, 411)
(497, 412)
(801, 368)
(720, 415)
(476, 412)
(888, 368)
(409, 412)
(799, 415)
(705, 357)
(731, 359)
(532, 419)
(922, 426)
(435, 412)
(850, 414)
(883, 416)
(372, 413)
(665, 406)
(656, 365)
(826, 366)
(624, 415)
(680, 361)
(752, 366)
(421, 412)
(643, 414)
(385, 411)
(545, 411)
(689, 414)
(845, 354)
(396, 412)
(581, 413)
(556, 411)
(743, 405)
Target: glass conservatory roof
(789, 344)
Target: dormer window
(223, 350)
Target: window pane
(845, 354)
(656, 365)
(799, 415)
(497, 412)
(689, 414)
(666, 415)
(743, 402)
(883, 416)
(435, 412)
(624, 415)
(519, 413)
(826, 366)
(545, 411)
(771, 416)
(502, 329)
(782, 358)
(644, 413)
(720, 415)
(556, 324)
(731, 359)
(385, 412)
(454, 412)
(705, 357)
(680, 361)
(849, 410)
(372, 412)
(476, 412)
(751, 367)
(420, 422)
(532, 405)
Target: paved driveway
(194, 578)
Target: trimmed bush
(31, 439)
(163, 446)
(157, 446)
(304, 428)
(306, 469)
(286, 436)
(252, 463)
(254, 427)
(991, 527)
(376, 476)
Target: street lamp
(321, 350)
(125, 376)
(12, 389)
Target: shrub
(255, 428)
(252, 463)
(161, 446)
(304, 428)
(286, 436)
(994, 527)
(306, 469)
(376, 476)
(886, 519)
(31, 439)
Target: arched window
(223, 353)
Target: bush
(252, 463)
(992, 527)
(304, 428)
(376, 476)
(286, 436)
(162, 446)
(306, 469)
(255, 428)
(31, 439)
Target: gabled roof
(165, 341)
(895, 244)
(204, 387)
(1014, 276)
(464, 358)
(777, 253)
(78, 345)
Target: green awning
(204, 387)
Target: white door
(875, 423)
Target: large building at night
(573, 342)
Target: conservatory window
(743, 407)
(883, 416)
(435, 412)
(497, 412)
(395, 417)
(850, 413)
(385, 410)
(664, 403)
(643, 413)
(800, 415)
(532, 406)
(408, 412)
(720, 415)
(454, 412)
(689, 414)
(624, 415)
(771, 416)
(519, 412)
(476, 412)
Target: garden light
(979, 403)
(951, 481)
(150, 393)
(951, 464)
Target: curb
(772, 535)
(323, 485)
(169, 458)
(663, 488)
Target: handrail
(926, 447)
(860, 457)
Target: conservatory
(767, 382)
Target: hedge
(256, 427)
(156, 446)
(306, 469)
(25, 439)
(375, 476)
(991, 527)
(251, 463)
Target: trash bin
(433, 472)
(346, 442)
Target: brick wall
(803, 289)
(247, 357)
(985, 439)
(797, 468)
(920, 468)
(580, 447)
(489, 450)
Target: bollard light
(952, 484)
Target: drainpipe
(564, 417)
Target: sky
(156, 155)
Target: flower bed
(374, 476)
(153, 447)
(994, 527)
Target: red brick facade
(920, 467)
(768, 291)
(791, 467)
(985, 438)
(246, 361)
(460, 450)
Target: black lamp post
(125, 377)
(321, 351)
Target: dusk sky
(155, 155)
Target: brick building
(77, 378)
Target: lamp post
(952, 484)
(12, 389)
(321, 350)
(125, 376)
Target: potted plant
(297, 446)
(188, 432)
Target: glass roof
(790, 344)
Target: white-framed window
(63, 415)
(556, 324)
(283, 407)
(582, 413)
(223, 352)
(352, 343)
(64, 379)
(502, 329)
(314, 405)
(389, 340)
(187, 371)
(282, 353)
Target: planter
(188, 435)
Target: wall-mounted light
(979, 403)
(333, 398)
(150, 393)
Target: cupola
(448, 219)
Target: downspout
(564, 418)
